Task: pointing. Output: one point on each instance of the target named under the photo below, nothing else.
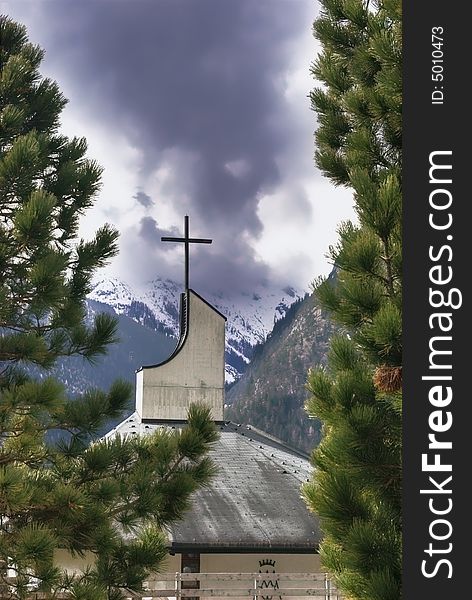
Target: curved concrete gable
(193, 373)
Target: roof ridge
(272, 438)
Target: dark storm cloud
(150, 232)
(233, 270)
(143, 199)
(202, 80)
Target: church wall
(139, 391)
(261, 563)
(242, 563)
(249, 563)
(194, 374)
(73, 564)
(172, 402)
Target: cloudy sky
(196, 107)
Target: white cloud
(294, 245)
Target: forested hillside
(271, 393)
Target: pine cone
(388, 379)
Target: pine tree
(356, 485)
(109, 500)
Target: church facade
(252, 517)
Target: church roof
(254, 502)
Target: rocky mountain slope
(271, 393)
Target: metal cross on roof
(186, 240)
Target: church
(252, 517)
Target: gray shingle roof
(253, 503)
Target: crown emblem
(267, 563)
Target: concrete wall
(249, 563)
(194, 374)
(73, 564)
(265, 563)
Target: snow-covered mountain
(251, 317)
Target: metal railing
(196, 586)
(263, 586)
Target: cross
(186, 241)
